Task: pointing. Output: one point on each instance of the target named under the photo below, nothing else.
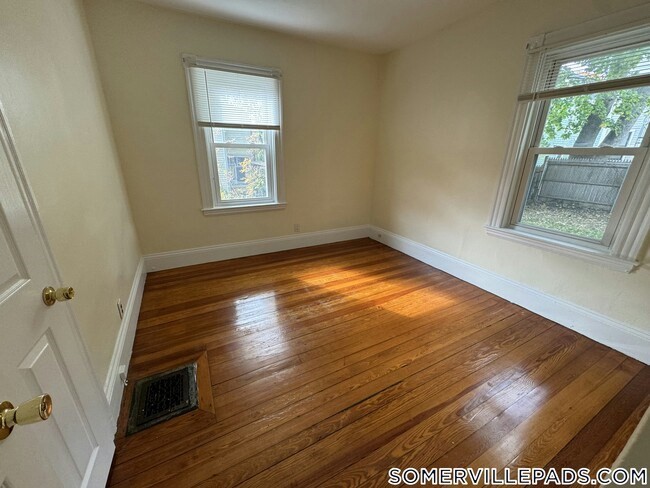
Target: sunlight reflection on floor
(261, 304)
(424, 301)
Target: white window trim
(258, 207)
(210, 201)
(634, 224)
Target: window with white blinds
(237, 100)
(237, 118)
(561, 74)
(577, 175)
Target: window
(236, 112)
(576, 173)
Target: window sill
(244, 208)
(592, 255)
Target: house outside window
(236, 115)
(576, 174)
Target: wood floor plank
(328, 365)
(541, 451)
(245, 469)
(461, 454)
(447, 315)
(347, 346)
(419, 342)
(270, 306)
(280, 410)
(297, 316)
(300, 258)
(206, 297)
(423, 393)
(338, 331)
(304, 260)
(483, 421)
(615, 444)
(596, 433)
(602, 379)
(433, 398)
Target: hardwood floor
(326, 366)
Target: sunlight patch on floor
(419, 302)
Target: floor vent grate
(162, 396)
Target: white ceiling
(371, 25)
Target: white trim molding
(612, 262)
(245, 208)
(220, 252)
(617, 335)
(113, 386)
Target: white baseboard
(612, 333)
(113, 387)
(220, 252)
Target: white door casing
(41, 351)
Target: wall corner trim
(600, 328)
(113, 387)
(221, 252)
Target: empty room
(324, 243)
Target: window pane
(614, 119)
(614, 65)
(242, 173)
(239, 136)
(574, 194)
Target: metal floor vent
(163, 396)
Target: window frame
(205, 148)
(629, 223)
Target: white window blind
(625, 67)
(230, 99)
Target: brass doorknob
(35, 410)
(51, 296)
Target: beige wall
(447, 108)
(53, 102)
(330, 102)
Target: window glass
(239, 136)
(574, 194)
(616, 118)
(613, 65)
(242, 173)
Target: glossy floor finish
(326, 366)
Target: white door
(41, 352)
